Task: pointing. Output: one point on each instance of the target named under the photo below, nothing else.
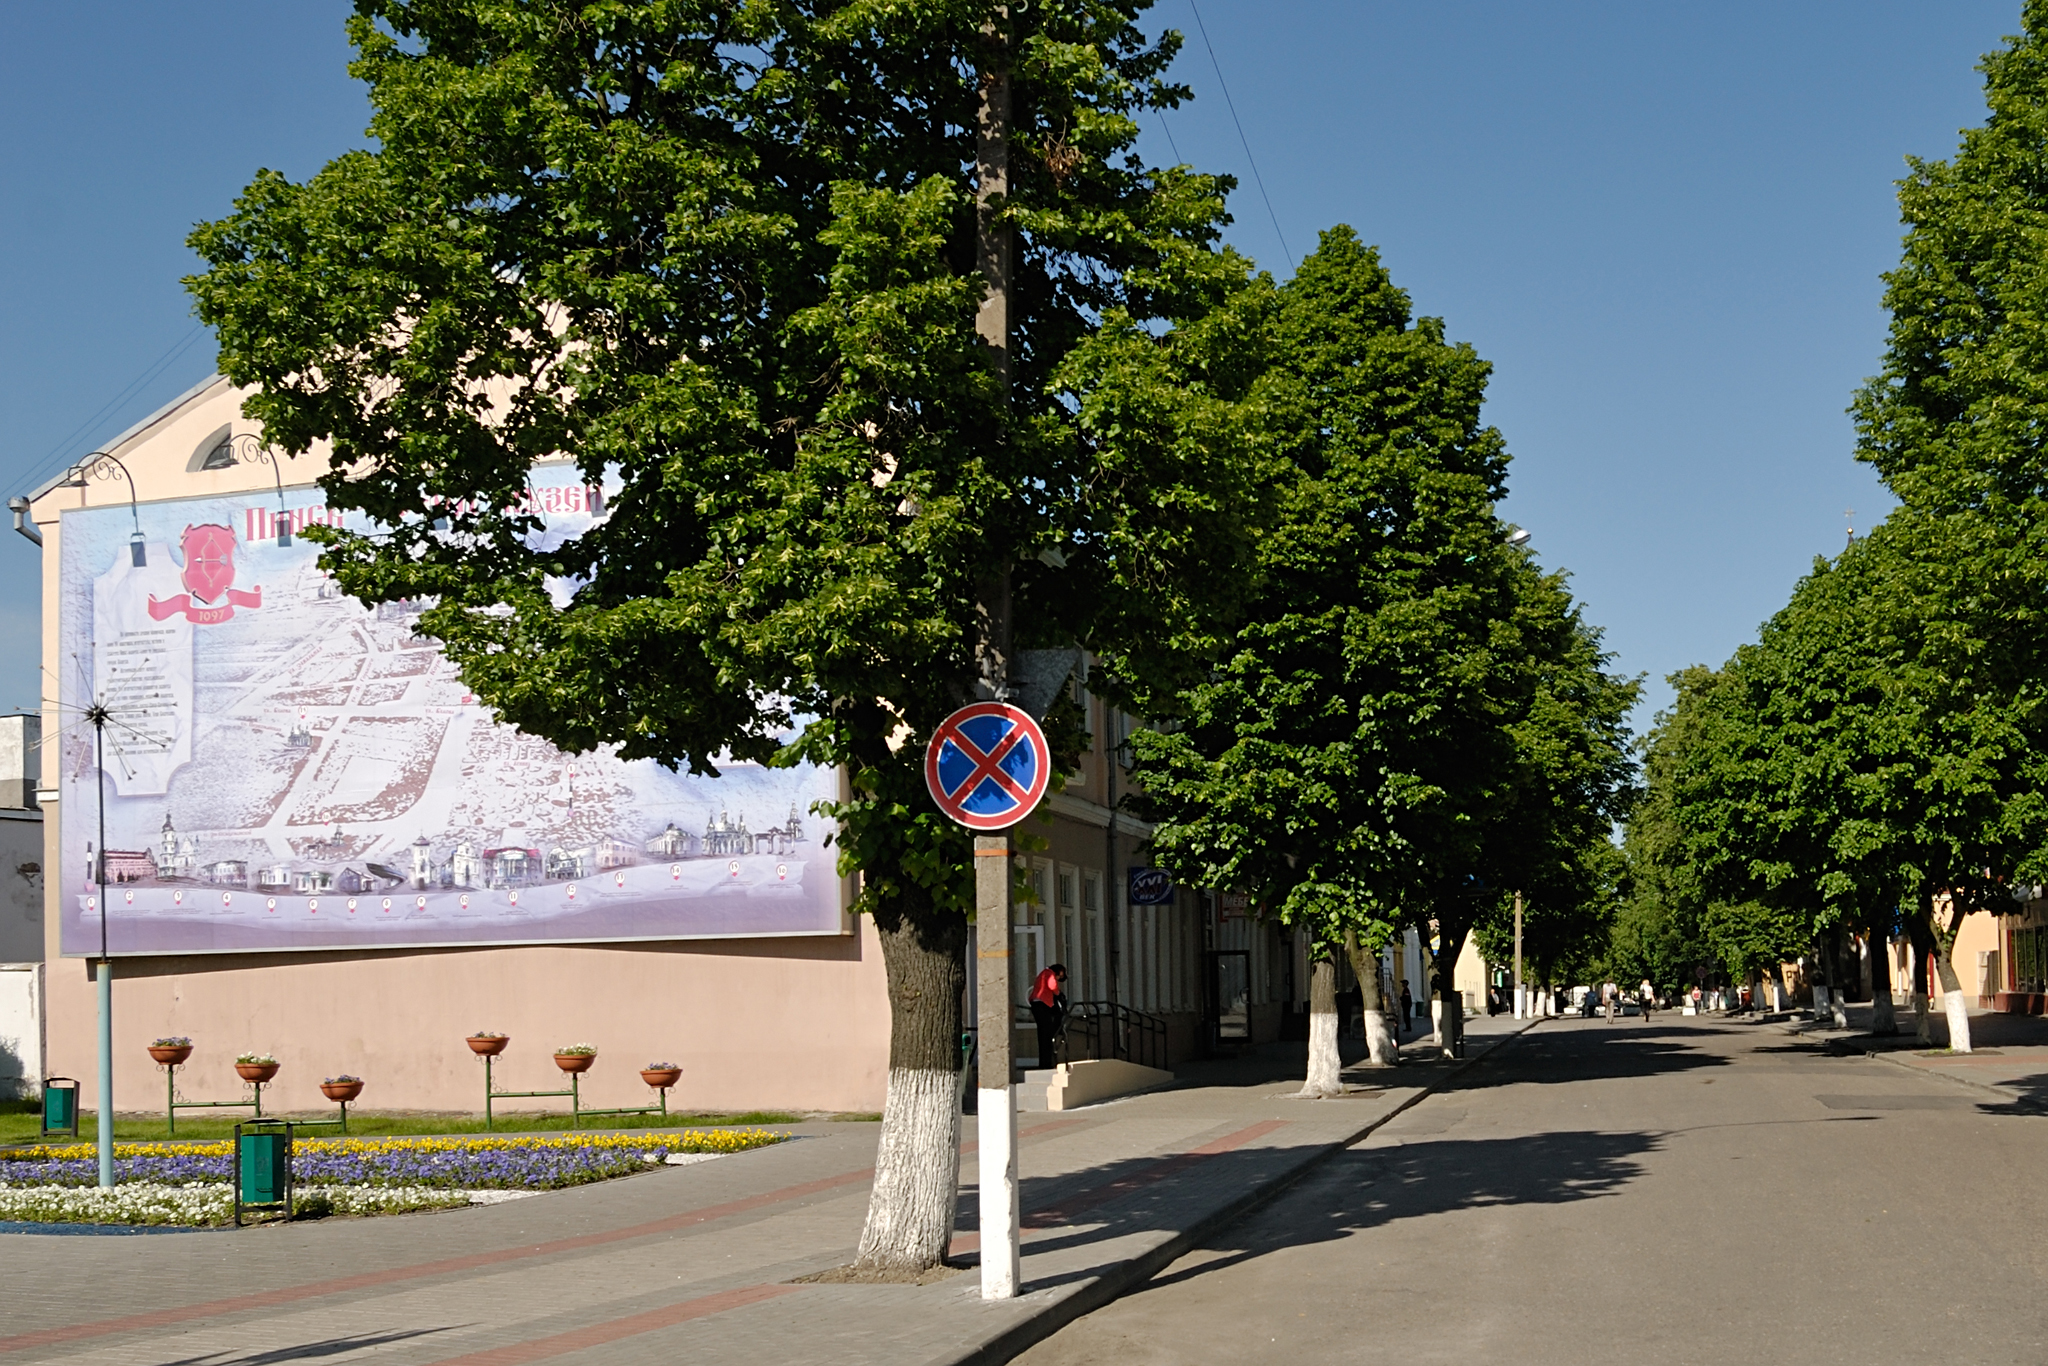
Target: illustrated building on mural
(670, 843)
(176, 856)
(129, 865)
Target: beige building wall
(797, 1023)
(1468, 978)
(800, 1024)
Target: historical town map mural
(287, 769)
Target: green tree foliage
(1846, 764)
(1411, 714)
(725, 260)
(1670, 924)
(1955, 421)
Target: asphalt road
(1675, 1190)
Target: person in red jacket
(1049, 1009)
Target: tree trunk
(1884, 1019)
(1952, 1002)
(1380, 1048)
(1325, 1066)
(1450, 1007)
(1838, 979)
(917, 1166)
(1920, 937)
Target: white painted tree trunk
(1884, 1016)
(917, 1162)
(1953, 1006)
(1325, 1066)
(917, 1172)
(1381, 1049)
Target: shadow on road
(1363, 1189)
(308, 1351)
(1541, 1059)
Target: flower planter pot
(341, 1090)
(661, 1078)
(489, 1047)
(575, 1062)
(170, 1057)
(256, 1071)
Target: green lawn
(20, 1123)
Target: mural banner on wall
(286, 769)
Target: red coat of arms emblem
(209, 560)
(210, 596)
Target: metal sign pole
(103, 1126)
(987, 767)
(996, 1098)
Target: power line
(1229, 104)
(150, 372)
(1169, 137)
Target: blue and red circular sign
(988, 765)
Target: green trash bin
(263, 1168)
(60, 1106)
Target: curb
(1842, 1049)
(1121, 1279)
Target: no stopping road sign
(987, 766)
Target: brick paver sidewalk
(2010, 1057)
(699, 1263)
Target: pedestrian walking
(1049, 1011)
(1647, 994)
(1611, 994)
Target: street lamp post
(246, 448)
(1521, 999)
(1518, 538)
(104, 465)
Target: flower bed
(512, 1163)
(201, 1203)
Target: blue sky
(1664, 226)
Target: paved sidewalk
(2009, 1057)
(700, 1261)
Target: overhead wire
(1231, 105)
(56, 454)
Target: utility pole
(1521, 1004)
(996, 1101)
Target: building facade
(326, 850)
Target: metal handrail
(1115, 1030)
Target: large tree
(892, 355)
(1852, 761)
(1954, 423)
(1393, 681)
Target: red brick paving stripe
(339, 1285)
(369, 1280)
(597, 1335)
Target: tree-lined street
(1174, 674)
(1668, 1190)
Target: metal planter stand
(172, 1104)
(576, 1107)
